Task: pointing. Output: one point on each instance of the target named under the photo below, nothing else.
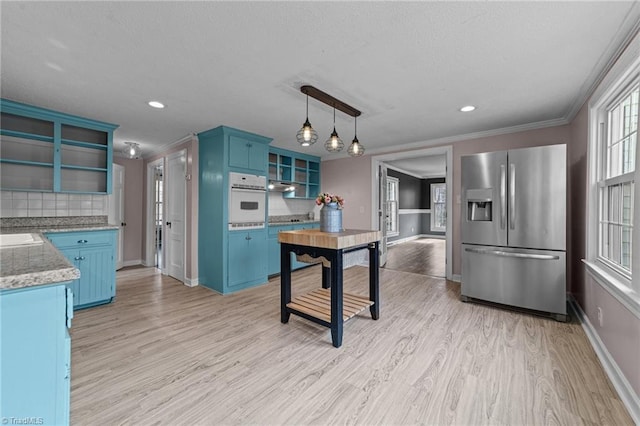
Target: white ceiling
(408, 66)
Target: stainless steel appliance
(247, 201)
(514, 228)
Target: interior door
(383, 211)
(116, 210)
(175, 208)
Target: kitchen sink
(19, 240)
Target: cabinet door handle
(82, 241)
(169, 224)
(248, 237)
(77, 258)
(123, 223)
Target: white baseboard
(620, 382)
(145, 264)
(132, 262)
(190, 282)
(456, 277)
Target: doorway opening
(413, 193)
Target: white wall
(280, 206)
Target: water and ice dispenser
(479, 205)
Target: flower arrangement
(326, 198)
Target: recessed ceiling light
(467, 108)
(156, 104)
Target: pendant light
(355, 149)
(307, 135)
(334, 143)
(132, 150)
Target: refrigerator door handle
(512, 196)
(503, 195)
(511, 254)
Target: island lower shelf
(318, 304)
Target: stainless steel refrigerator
(514, 228)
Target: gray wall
(414, 193)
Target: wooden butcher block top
(331, 240)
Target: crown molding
(618, 45)
(461, 138)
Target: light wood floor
(167, 354)
(425, 256)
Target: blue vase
(330, 218)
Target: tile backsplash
(280, 206)
(46, 204)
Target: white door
(383, 211)
(115, 201)
(175, 212)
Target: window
(439, 207)
(618, 137)
(613, 156)
(393, 187)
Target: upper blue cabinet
(302, 171)
(47, 151)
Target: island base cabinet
(35, 355)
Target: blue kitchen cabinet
(226, 261)
(247, 260)
(36, 354)
(301, 170)
(274, 246)
(93, 253)
(48, 151)
(245, 154)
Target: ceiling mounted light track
(326, 98)
(334, 143)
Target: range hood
(280, 186)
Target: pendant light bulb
(334, 143)
(355, 149)
(307, 136)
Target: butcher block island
(328, 306)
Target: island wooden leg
(285, 282)
(374, 280)
(336, 298)
(326, 277)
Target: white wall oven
(247, 201)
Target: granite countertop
(41, 264)
(57, 228)
(291, 219)
(34, 265)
